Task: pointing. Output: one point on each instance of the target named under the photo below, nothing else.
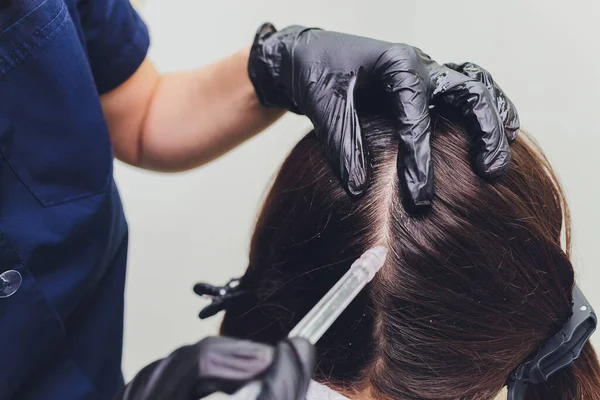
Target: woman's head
(468, 291)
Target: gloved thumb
(338, 129)
(226, 364)
(290, 374)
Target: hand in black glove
(506, 109)
(315, 72)
(220, 364)
(291, 371)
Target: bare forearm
(197, 116)
(186, 119)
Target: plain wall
(196, 226)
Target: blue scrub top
(63, 235)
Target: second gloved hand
(221, 364)
(315, 73)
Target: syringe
(322, 316)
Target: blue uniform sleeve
(117, 40)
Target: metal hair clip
(558, 352)
(222, 297)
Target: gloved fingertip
(417, 199)
(357, 188)
(417, 207)
(422, 203)
(493, 167)
(355, 174)
(416, 186)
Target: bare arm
(179, 121)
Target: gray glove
(220, 364)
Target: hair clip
(222, 297)
(558, 352)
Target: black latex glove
(315, 72)
(220, 364)
(291, 371)
(506, 109)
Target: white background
(196, 226)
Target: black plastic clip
(222, 297)
(558, 352)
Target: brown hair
(468, 291)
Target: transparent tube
(323, 315)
